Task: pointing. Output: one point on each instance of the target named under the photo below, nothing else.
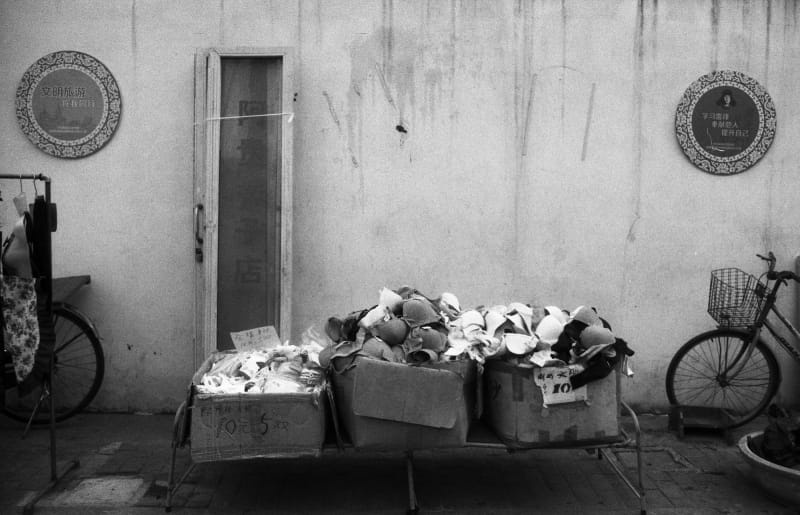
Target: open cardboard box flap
(403, 393)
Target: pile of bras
(406, 326)
(282, 369)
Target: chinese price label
(555, 385)
(258, 338)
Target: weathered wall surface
(539, 162)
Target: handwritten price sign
(258, 338)
(555, 385)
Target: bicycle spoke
(64, 370)
(722, 352)
(699, 386)
(693, 371)
(750, 381)
(703, 356)
(747, 395)
(709, 396)
(731, 355)
(700, 364)
(741, 401)
(77, 372)
(75, 353)
(697, 398)
(69, 342)
(699, 375)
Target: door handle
(198, 236)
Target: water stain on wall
(335, 118)
(378, 58)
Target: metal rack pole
(34, 177)
(47, 288)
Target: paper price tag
(259, 338)
(555, 385)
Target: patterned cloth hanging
(20, 322)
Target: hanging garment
(47, 340)
(20, 322)
(29, 330)
(16, 249)
(43, 223)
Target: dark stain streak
(385, 87)
(768, 33)
(639, 43)
(654, 30)
(639, 102)
(715, 7)
(332, 110)
(715, 12)
(588, 122)
(794, 12)
(338, 124)
(133, 28)
(452, 45)
(563, 57)
(222, 21)
(528, 116)
(388, 24)
(747, 24)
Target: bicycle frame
(791, 349)
(755, 333)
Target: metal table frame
(603, 450)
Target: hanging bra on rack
(16, 255)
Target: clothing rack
(34, 177)
(47, 274)
(46, 285)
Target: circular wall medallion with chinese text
(725, 122)
(68, 104)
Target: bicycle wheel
(693, 376)
(78, 369)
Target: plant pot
(780, 483)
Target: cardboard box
(262, 425)
(513, 409)
(393, 406)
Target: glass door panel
(243, 194)
(248, 273)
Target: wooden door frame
(206, 190)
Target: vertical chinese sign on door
(249, 196)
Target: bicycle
(731, 369)
(78, 364)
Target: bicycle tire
(78, 370)
(693, 376)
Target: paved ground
(125, 460)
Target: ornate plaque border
(767, 123)
(97, 73)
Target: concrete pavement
(125, 460)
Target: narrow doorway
(242, 195)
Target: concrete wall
(540, 162)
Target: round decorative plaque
(68, 104)
(725, 122)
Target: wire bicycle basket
(735, 297)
